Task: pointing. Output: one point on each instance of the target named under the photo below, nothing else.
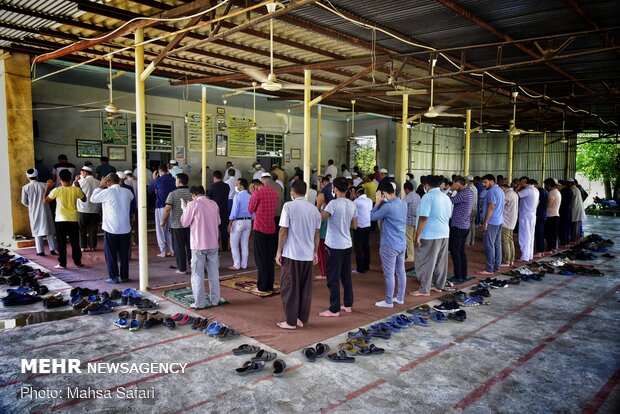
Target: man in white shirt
(578, 212)
(237, 171)
(356, 180)
(511, 211)
(174, 168)
(362, 233)
(258, 172)
(131, 181)
(116, 202)
(331, 169)
(231, 180)
(88, 212)
(344, 171)
(298, 244)
(340, 214)
(529, 196)
(39, 213)
(552, 225)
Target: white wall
(59, 128)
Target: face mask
(333, 194)
(236, 189)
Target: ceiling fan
(434, 112)
(513, 130)
(270, 82)
(110, 108)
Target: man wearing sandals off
(202, 216)
(298, 244)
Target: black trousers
(456, 246)
(296, 290)
(69, 229)
(265, 246)
(224, 234)
(362, 249)
(115, 247)
(539, 235)
(88, 229)
(551, 232)
(181, 246)
(564, 229)
(339, 271)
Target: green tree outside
(365, 156)
(600, 160)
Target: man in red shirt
(263, 204)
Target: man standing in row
(492, 221)
(116, 202)
(413, 201)
(578, 212)
(180, 234)
(269, 182)
(202, 216)
(511, 214)
(263, 204)
(88, 212)
(240, 226)
(340, 214)
(528, 202)
(162, 185)
(392, 212)
(298, 243)
(219, 191)
(362, 233)
(41, 220)
(554, 199)
(463, 203)
(104, 169)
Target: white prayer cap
(32, 173)
(87, 168)
(266, 175)
(391, 175)
(128, 172)
(383, 171)
(348, 177)
(121, 175)
(470, 177)
(174, 162)
(354, 173)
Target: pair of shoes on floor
(220, 331)
(318, 351)
(248, 367)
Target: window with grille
(269, 145)
(159, 136)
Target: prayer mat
(247, 284)
(451, 279)
(184, 297)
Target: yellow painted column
(307, 120)
(544, 159)
(143, 256)
(511, 145)
(16, 143)
(203, 139)
(467, 143)
(403, 155)
(434, 153)
(319, 140)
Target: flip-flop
(371, 350)
(309, 354)
(147, 304)
(341, 357)
(321, 350)
(264, 356)
(170, 323)
(438, 317)
(185, 320)
(420, 321)
(250, 366)
(279, 366)
(105, 307)
(213, 328)
(245, 349)
(360, 333)
(347, 347)
(122, 323)
(422, 310)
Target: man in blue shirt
(492, 221)
(392, 212)
(240, 225)
(162, 185)
(432, 233)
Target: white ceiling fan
(434, 112)
(513, 130)
(270, 82)
(110, 108)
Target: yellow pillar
(403, 155)
(307, 120)
(204, 137)
(467, 142)
(318, 141)
(511, 145)
(16, 142)
(544, 159)
(143, 256)
(434, 153)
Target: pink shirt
(202, 216)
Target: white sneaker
(400, 302)
(384, 304)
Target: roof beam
(84, 44)
(577, 8)
(341, 85)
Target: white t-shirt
(528, 203)
(88, 184)
(342, 211)
(554, 199)
(232, 182)
(364, 206)
(333, 170)
(302, 226)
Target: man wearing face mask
(392, 212)
(240, 225)
(116, 203)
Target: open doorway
(363, 152)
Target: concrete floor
(550, 346)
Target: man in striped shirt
(463, 203)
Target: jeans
(493, 247)
(164, 237)
(210, 259)
(508, 246)
(393, 261)
(180, 242)
(456, 246)
(115, 247)
(362, 249)
(239, 241)
(339, 271)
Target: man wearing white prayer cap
(41, 220)
(88, 213)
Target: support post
(510, 156)
(567, 160)
(434, 153)
(143, 258)
(204, 137)
(307, 119)
(319, 140)
(467, 142)
(544, 158)
(402, 148)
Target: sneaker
(447, 307)
(400, 302)
(384, 304)
(60, 267)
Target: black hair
(197, 190)
(386, 187)
(217, 174)
(550, 182)
(62, 157)
(325, 179)
(231, 171)
(299, 187)
(341, 184)
(330, 162)
(183, 178)
(114, 178)
(489, 177)
(103, 159)
(65, 175)
(243, 182)
(459, 179)
(163, 168)
(257, 181)
(408, 186)
(433, 180)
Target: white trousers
(40, 244)
(239, 240)
(164, 237)
(526, 237)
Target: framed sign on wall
(86, 148)
(117, 153)
(115, 131)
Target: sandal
(212, 328)
(185, 320)
(245, 349)
(122, 323)
(169, 323)
(420, 321)
(371, 350)
(249, 367)
(422, 310)
(341, 357)
(264, 356)
(279, 366)
(105, 307)
(438, 317)
(134, 325)
(347, 347)
(309, 354)
(123, 315)
(321, 350)
(458, 316)
(147, 304)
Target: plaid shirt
(463, 204)
(263, 204)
